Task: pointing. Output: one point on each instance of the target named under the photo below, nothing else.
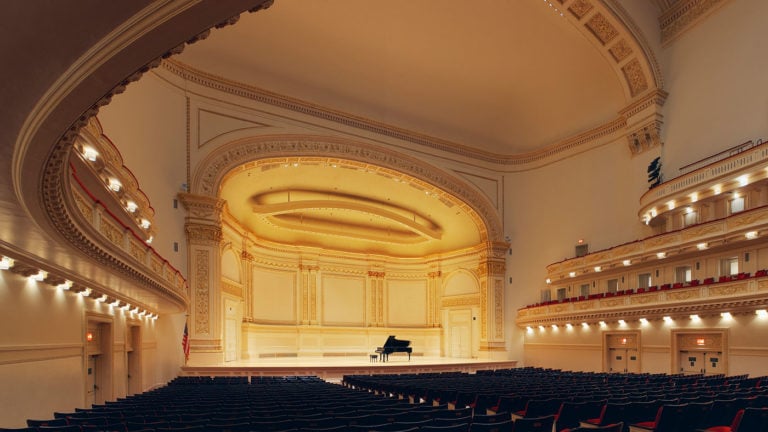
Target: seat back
(753, 420)
(534, 424)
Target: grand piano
(394, 345)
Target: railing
(708, 169)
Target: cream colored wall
(42, 357)
(148, 125)
(581, 349)
(715, 76)
(592, 196)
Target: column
(491, 273)
(434, 282)
(203, 229)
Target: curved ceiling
(345, 206)
(504, 77)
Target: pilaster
(204, 235)
(491, 273)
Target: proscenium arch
(211, 171)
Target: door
(90, 385)
(617, 360)
(460, 330)
(713, 363)
(691, 362)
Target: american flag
(185, 343)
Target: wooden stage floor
(334, 368)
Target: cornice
(685, 15)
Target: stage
(333, 368)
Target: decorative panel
(343, 301)
(407, 303)
(274, 296)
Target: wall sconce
(115, 184)
(145, 223)
(627, 262)
(39, 276)
(90, 153)
(6, 263)
(131, 206)
(86, 292)
(661, 255)
(89, 336)
(751, 235)
(67, 284)
(701, 246)
(598, 269)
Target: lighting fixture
(126, 306)
(643, 321)
(762, 313)
(86, 292)
(549, 281)
(67, 284)
(102, 299)
(695, 317)
(688, 210)
(671, 205)
(622, 322)
(6, 263)
(627, 262)
(145, 223)
(39, 276)
(598, 269)
(717, 189)
(702, 246)
(585, 325)
(694, 197)
(668, 319)
(569, 326)
(90, 153)
(149, 240)
(572, 274)
(751, 235)
(131, 206)
(529, 329)
(115, 184)
(602, 323)
(743, 180)
(115, 303)
(726, 315)
(554, 326)
(541, 327)
(661, 255)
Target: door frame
(700, 340)
(105, 367)
(622, 339)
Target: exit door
(91, 388)
(701, 362)
(623, 360)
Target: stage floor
(334, 368)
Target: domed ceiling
(503, 77)
(349, 207)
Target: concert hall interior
(377, 186)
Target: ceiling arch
(302, 206)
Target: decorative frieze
(202, 292)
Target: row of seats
(580, 398)
(507, 400)
(654, 288)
